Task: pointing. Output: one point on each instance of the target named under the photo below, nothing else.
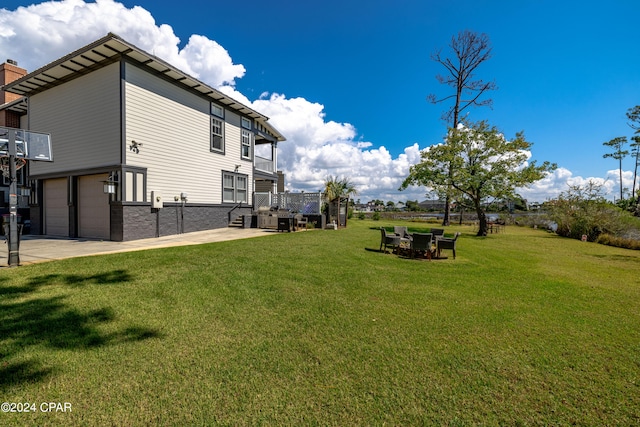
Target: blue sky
(358, 73)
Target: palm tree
(337, 188)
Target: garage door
(56, 209)
(93, 207)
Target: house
(140, 148)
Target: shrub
(620, 242)
(376, 216)
(583, 211)
(361, 215)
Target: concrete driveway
(35, 249)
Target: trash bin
(285, 223)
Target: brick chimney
(9, 72)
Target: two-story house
(140, 148)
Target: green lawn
(319, 328)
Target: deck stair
(238, 222)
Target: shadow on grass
(380, 251)
(28, 321)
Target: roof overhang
(113, 48)
(18, 106)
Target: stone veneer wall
(132, 222)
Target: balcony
(264, 164)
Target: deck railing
(305, 203)
(264, 164)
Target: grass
(319, 328)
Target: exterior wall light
(109, 186)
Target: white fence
(305, 203)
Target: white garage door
(56, 209)
(93, 207)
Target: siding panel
(83, 118)
(174, 128)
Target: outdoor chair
(437, 233)
(402, 232)
(446, 243)
(300, 222)
(421, 243)
(388, 239)
(405, 238)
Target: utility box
(156, 200)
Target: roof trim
(110, 49)
(19, 105)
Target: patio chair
(437, 233)
(401, 231)
(388, 239)
(422, 243)
(447, 243)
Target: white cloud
(38, 34)
(562, 179)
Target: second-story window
(246, 144)
(217, 135)
(246, 138)
(217, 128)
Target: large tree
(469, 51)
(479, 162)
(618, 153)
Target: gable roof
(110, 49)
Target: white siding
(83, 118)
(174, 128)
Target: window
(246, 123)
(217, 135)
(241, 189)
(134, 186)
(246, 144)
(234, 188)
(216, 110)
